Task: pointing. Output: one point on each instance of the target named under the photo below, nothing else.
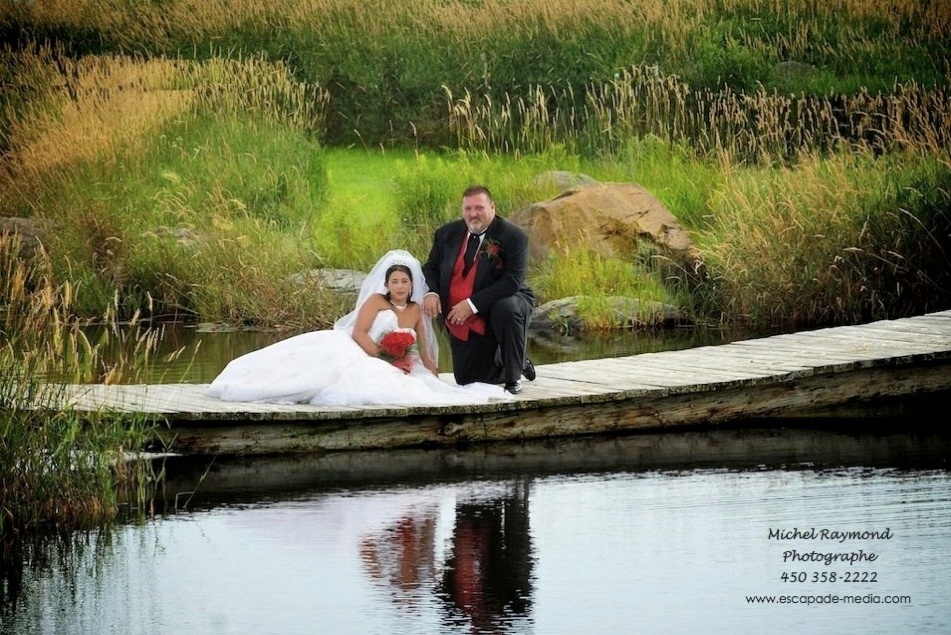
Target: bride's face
(400, 286)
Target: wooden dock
(705, 386)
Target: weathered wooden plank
(845, 349)
(590, 376)
(556, 387)
(908, 327)
(707, 407)
(926, 326)
(888, 339)
(936, 320)
(738, 358)
(696, 368)
(818, 358)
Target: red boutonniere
(399, 348)
(493, 251)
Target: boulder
(340, 280)
(615, 220)
(562, 315)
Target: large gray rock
(564, 180)
(562, 315)
(340, 280)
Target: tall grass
(388, 66)
(479, 40)
(177, 146)
(760, 126)
(196, 201)
(840, 240)
(57, 467)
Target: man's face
(478, 212)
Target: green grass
(199, 190)
(361, 182)
(359, 206)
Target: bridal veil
(375, 282)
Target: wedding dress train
(328, 368)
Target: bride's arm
(365, 317)
(424, 355)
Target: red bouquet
(398, 348)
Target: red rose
(493, 251)
(396, 344)
(398, 347)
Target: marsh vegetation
(58, 466)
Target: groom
(476, 271)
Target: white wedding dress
(329, 368)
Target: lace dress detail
(328, 368)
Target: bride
(383, 352)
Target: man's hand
(431, 305)
(459, 313)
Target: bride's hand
(431, 305)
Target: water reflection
(643, 533)
(488, 576)
(480, 566)
(401, 557)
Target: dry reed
(201, 20)
(56, 467)
(107, 108)
(758, 127)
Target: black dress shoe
(529, 370)
(514, 387)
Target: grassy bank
(194, 162)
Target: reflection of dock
(768, 377)
(236, 480)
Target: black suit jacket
(502, 263)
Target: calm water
(686, 532)
(197, 353)
(638, 534)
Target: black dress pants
(498, 356)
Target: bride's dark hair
(397, 267)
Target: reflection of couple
(403, 556)
(485, 580)
(385, 350)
